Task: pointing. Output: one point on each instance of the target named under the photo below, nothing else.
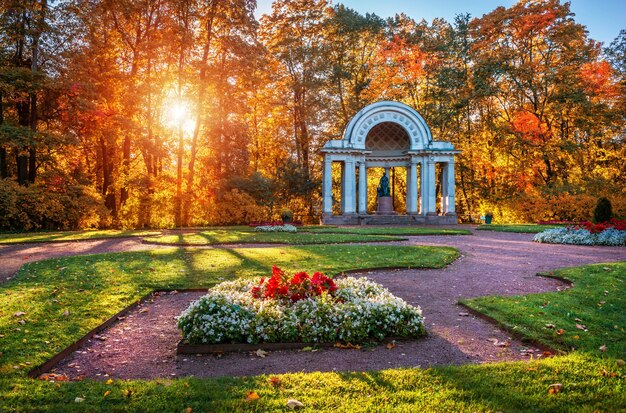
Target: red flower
(298, 287)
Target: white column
(343, 187)
(423, 186)
(349, 186)
(431, 188)
(362, 188)
(451, 207)
(444, 189)
(327, 186)
(411, 187)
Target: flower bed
(276, 228)
(586, 234)
(273, 223)
(299, 308)
(559, 222)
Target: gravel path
(143, 344)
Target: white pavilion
(390, 135)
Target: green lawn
(387, 230)
(94, 287)
(243, 236)
(61, 236)
(597, 301)
(520, 228)
(588, 386)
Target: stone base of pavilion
(395, 220)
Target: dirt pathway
(143, 344)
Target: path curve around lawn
(143, 344)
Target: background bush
(64, 206)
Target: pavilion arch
(388, 135)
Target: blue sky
(604, 18)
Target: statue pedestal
(385, 206)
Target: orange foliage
(528, 126)
(597, 79)
(534, 21)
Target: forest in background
(162, 113)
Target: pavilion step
(354, 219)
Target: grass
(63, 236)
(510, 387)
(597, 301)
(243, 236)
(93, 287)
(520, 228)
(387, 230)
(237, 234)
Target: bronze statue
(383, 186)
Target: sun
(178, 115)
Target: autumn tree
(546, 88)
(352, 45)
(23, 26)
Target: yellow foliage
(535, 207)
(236, 207)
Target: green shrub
(286, 215)
(603, 211)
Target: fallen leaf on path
(390, 346)
(261, 353)
(464, 314)
(294, 404)
(347, 346)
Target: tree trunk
(22, 169)
(23, 114)
(4, 169)
(109, 200)
(125, 169)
